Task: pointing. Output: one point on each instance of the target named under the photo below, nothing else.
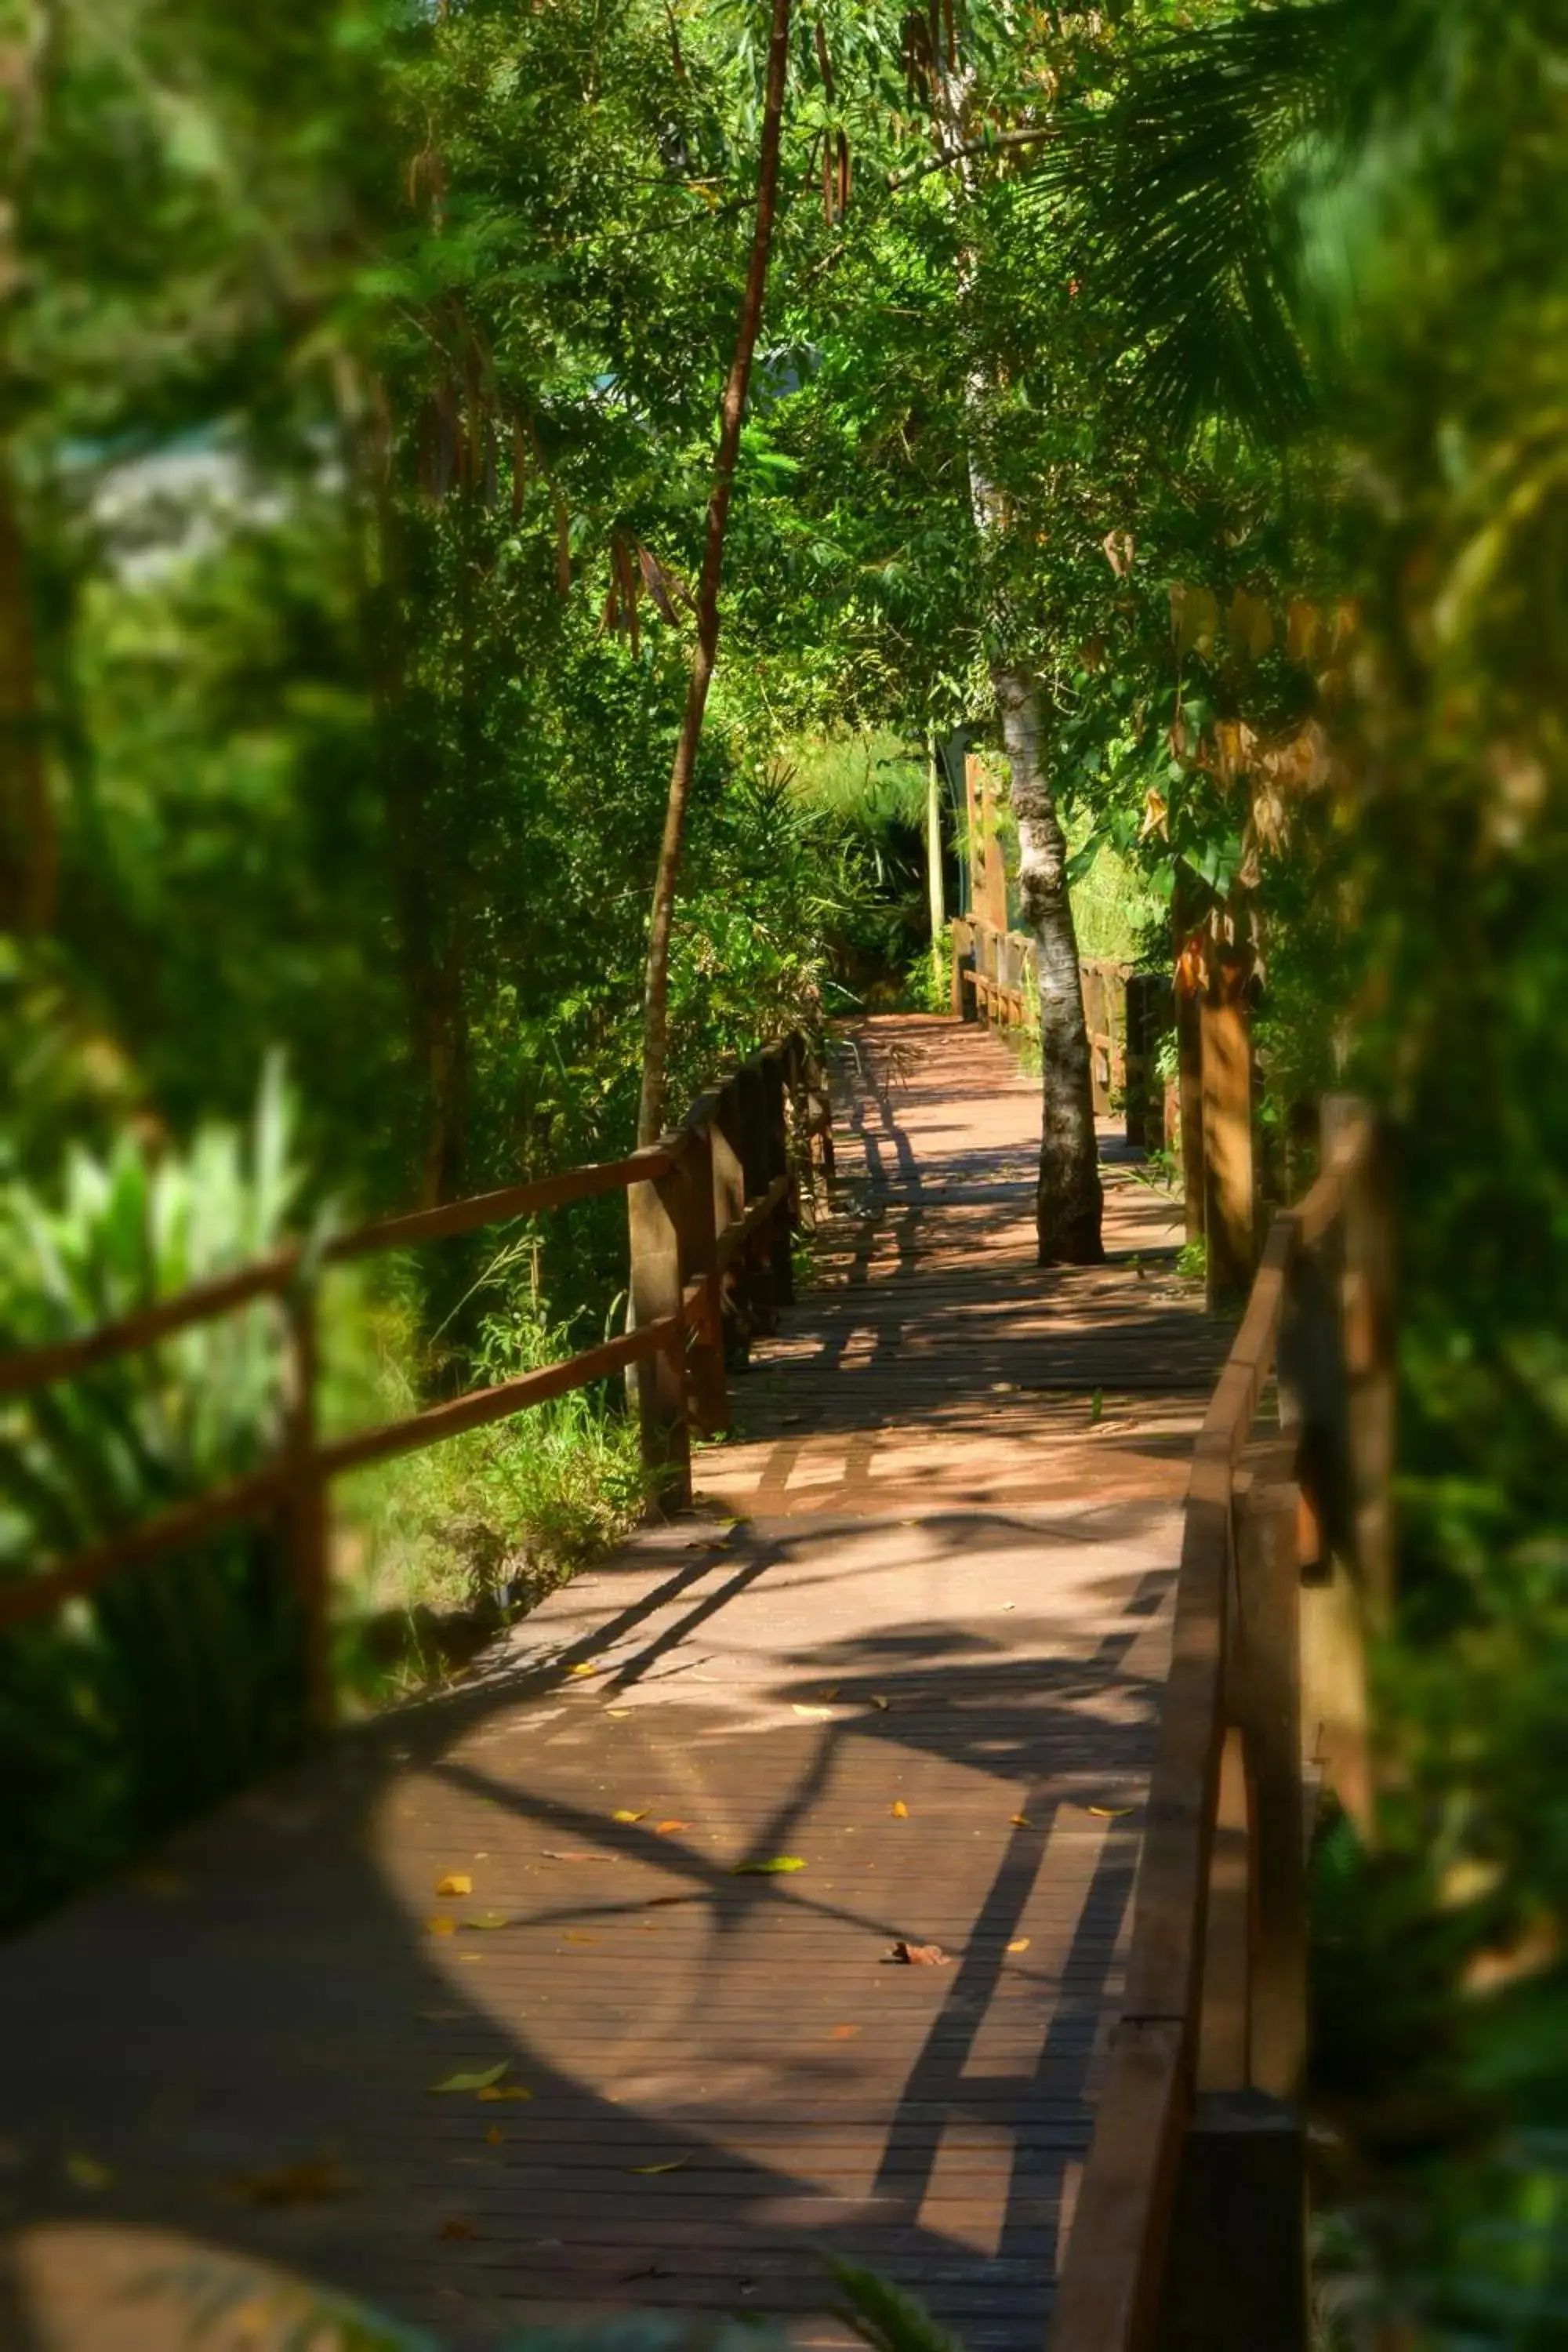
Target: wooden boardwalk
(915, 1644)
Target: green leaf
(491, 2074)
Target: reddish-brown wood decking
(924, 1661)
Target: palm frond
(1182, 191)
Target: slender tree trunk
(1068, 1199)
(655, 986)
(934, 889)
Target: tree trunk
(934, 889)
(655, 986)
(1068, 1199)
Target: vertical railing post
(1265, 1698)
(308, 1505)
(729, 1205)
(652, 1212)
(755, 1160)
(821, 1104)
(782, 1224)
(697, 1234)
(1369, 1353)
(1234, 2277)
(1229, 1208)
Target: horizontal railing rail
(713, 1208)
(1189, 2227)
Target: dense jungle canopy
(1164, 400)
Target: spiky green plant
(122, 1713)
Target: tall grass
(485, 1524)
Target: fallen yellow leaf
(493, 2091)
(880, 1704)
(776, 1866)
(814, 1714)
(442, 1927)
(572, 1938)
(621, 1814)
(899, 1810)
(1021, 1822)
(584, 1666)
(1019, 1943)
(1108, 1812)
(489, 1920)
(662, 1829)
(673, 2166)
(456, 1882)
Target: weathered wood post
(698, 1239)
(819, 1106)
(1187, 982)
(782, 1223)
(653, 1210)
(1368, 1309)
(963, 946)
(729, 1205)
(755, 1160)
(1235, 2268)
(1265, 1702)
(308, 1507)
(1229, 1214)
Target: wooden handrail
(1149, 2238)
(712, 1234)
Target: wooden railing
(994, 980)
(1189, 2229)
(714, 1207)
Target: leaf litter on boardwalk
(776, 1866)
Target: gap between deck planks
(946, 1590)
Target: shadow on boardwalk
(943, 1594)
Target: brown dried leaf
(308, 2182)
(918, 1956)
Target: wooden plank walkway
(924, 1660)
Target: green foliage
(121, 1713)
(480, 1527)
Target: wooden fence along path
(608, 1977)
